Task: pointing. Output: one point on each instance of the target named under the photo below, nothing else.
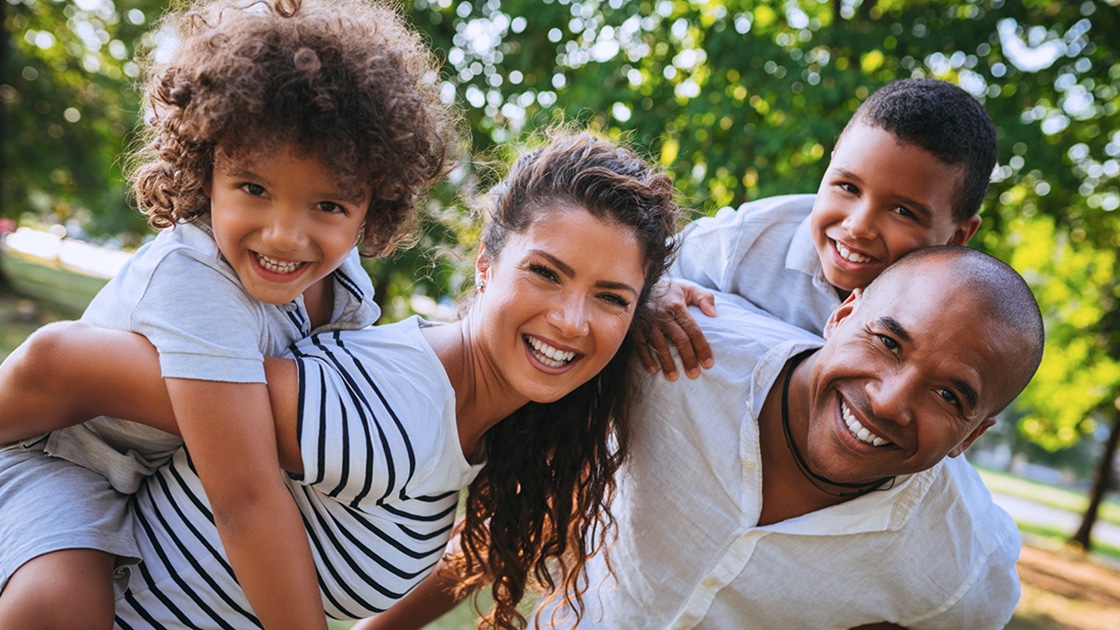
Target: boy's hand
(670, 319)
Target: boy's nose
(860, 222)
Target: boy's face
(879, 199)
(281, 221)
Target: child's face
(282, 221)
(880, 199)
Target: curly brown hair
(543, 499)
(347, 81)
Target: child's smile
(281, 221)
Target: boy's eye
(331, 207)
(848, 187)
(904, 211)
(255, 190)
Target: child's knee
(64, 589)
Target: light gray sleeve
(202, 321)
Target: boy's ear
(965, 231)
(843, 311)
(977, 432)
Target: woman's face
(557, 301)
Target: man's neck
(786, 491)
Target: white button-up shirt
(931, 552)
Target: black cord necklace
(815, 479)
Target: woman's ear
(481, 268)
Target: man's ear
(965, 231)
(843, 311)
(977, 432)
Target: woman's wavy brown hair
(346, 81)
(542, 501)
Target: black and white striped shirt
(382, 471)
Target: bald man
(866, 515)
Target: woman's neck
(482, 397)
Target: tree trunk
(1101, 480)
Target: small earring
(479, 283)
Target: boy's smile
(281, 221)
(881, 198)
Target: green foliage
(68, 108)
(736, 99)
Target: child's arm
(670, 320)
(67, 372)
(229, 431)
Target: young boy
(910, 169)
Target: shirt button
(749, 464)
(711, 584)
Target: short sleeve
(202, 322)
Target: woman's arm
(430, 600)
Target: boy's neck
(318, 299)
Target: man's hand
(670, 321)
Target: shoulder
(778, 209)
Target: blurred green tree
(736, 99)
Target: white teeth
(546, 354)
(849, 255)
(857, 429)
(278, 266)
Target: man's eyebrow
(895, 328)
(970, 395)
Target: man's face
(910, 373)
(880, 199)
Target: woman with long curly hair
(524, 401)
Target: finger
(679, 337)
(640, 334)
(660, 348)
(707, 304)
(697, 342)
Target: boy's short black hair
(946, 121)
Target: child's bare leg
(72, 588)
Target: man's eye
(949, 397)
(889, 343)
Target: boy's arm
(229, 431)
(670, 320)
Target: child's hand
(670, 319)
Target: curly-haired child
(280, 135)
